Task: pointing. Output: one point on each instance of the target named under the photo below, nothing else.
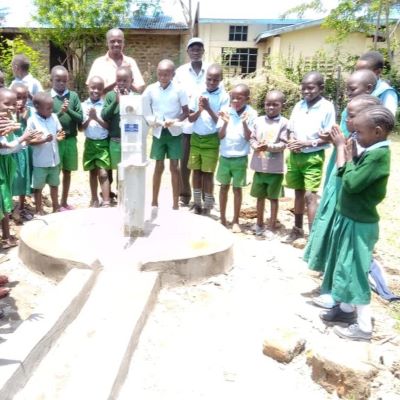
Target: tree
(378, 18)
(78, 26)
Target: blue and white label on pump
(131, 128)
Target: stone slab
(24, 350)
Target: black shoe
(198, 209)
(337, 315)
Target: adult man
(192, 77)
(106, 66)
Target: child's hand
(92, 113)
(7, 126)
(224, 116)
(296, 145)
(169, 122)
(205, 103)
(244, 117)
(60, 135)
(65, 105)
(325, 136)
(337, 136)
(48, 138)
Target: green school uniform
(355, 227)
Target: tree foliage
(77, 26)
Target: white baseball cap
(195, 40)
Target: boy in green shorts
(204, 142)
(68, 108)
(169, 106)
(234, 130)
(268, 140)
(96, 156)
(310, 117)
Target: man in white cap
(192, 77)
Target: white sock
(197, 197)
(364, 318)
(346, 307)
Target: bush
(11, 47)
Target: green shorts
(204, 152)
(115, 153)
(96, 154)
(232, 169)
(167, 146)
(304, 170)
(266, 185)
(43, 175)
(68, 154)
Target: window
(239, 61)
(238, 33)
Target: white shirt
(192, 83)
(306, 122)
(94, 130)
(45, 154)
(205, 125)
(31, 83)
(165, 104)
(234, 143)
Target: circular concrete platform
(176, 243)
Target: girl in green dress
(355, 227)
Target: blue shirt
(218, 99)
(94, 130)
(234, 143)
(306, 122)
(387, 95)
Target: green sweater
(110, 114)
(73, 117)
(364, 184)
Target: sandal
(8, 243)
(105, 204)
(94, 204)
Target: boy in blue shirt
(204, 142)
(234, 132)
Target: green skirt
(316, 251)
(7, 172)
(349, 257)
(22, 178)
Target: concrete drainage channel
(79, 342)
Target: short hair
(5, 91)
(114, 30)
(276, 93)
(366, 99)
(374, 58)
(243, 87)
(58, 68)
(97, 78)
(166, 63)
(22, 61)
(216, 67)
(366, 75)
(317, 76)
(125, 69)
(19, 85)
(40, 97)
(379, 116)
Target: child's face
(273, 105)
(45, 107)
(367, 133)
(239, 99)
(355, 87)
(365, 64)
(95, 89)
(311, 90)
(165, 75)
(213, 80)
(22, 97)
(353, 109)
(16, 70)
(59, 80)
(8, 102)
(124, 81)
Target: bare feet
(236, 228)
(4, 292)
